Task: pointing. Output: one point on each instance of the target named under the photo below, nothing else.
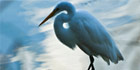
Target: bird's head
(60, 7)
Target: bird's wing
(94, 37)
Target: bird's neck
(70, 12)
(61, 19)
(58, 25)
(60, 31)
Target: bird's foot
(91, 66)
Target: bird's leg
(91, 63)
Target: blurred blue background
(24, 46)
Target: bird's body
(93, 38)
(86, 32)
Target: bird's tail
(114, 57)
(118, 56)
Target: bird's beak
(49, 16)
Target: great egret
(86, 32)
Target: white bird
(86, 32)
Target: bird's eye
(57, 9)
